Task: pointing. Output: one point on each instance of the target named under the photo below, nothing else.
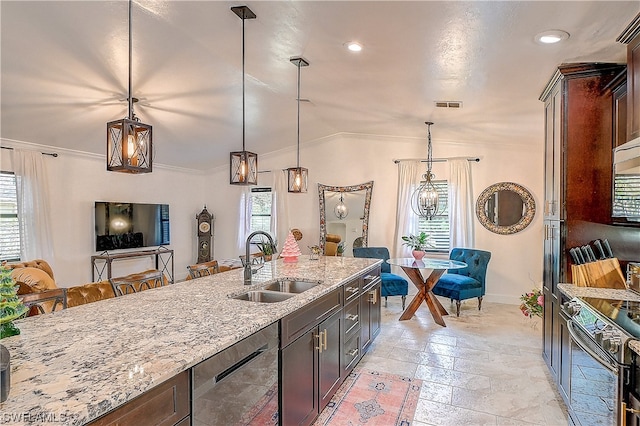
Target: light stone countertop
(72, 366)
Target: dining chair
(392, 284)
(203, 269)
(136, 283)
(465, 283)
(45, 302)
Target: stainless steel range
(600, 359)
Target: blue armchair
(392, 284)
(465, 283)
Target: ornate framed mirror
(344, 211)
(505, 208)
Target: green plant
(417, 242)
(11, 307)
(532, 303)
(341, 247)
(267, 248)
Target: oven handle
(589, 351)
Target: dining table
(413, 267)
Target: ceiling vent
(448, 104)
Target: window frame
(257, 190)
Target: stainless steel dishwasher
(238, 386)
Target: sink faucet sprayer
(247, 261)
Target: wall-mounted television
(130, 225)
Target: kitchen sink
(263, 296)
(291, 286)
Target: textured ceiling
(64, 70)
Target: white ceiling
(64, 70)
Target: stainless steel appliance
(239, 385)
(600, 359)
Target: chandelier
(424, 200)
(129, 142)
(340, 210)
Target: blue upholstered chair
(392, 284)
(464, 283)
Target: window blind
(9, 225)
(438, 227)
(626, 193)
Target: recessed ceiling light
(551, 36)
(354, 46)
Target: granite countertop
(75, 365)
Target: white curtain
(461, 210)
(280, 208)
(33, 205)
(244, 221)
(406, 219)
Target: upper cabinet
(578, 142)
(631, 37)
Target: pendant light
(129, 142)
(424, 201)
(244, 164)
(340, 210)
(297, 176)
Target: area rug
(265, 411)
(374, 399)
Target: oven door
(595, 389)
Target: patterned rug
(373, 399)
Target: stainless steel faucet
(247, 259)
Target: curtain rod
(53, 154)
(435, 160)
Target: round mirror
(505, 208)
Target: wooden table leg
(424, 293)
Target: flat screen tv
(130, 225)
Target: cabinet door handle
(353, 352)
(374, 296)
(352, 317)
(324, 338)
(319, 347)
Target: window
(626, 195)
(261, 202)
(438, 227)
(9, 226)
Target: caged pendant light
(298, 176)
(424, 200)
(129, 142)
(244, 164)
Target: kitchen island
(73, 366)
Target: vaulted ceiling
(64, 68)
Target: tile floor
(484, 368)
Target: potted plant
(417, 243)
(267, 249)
(341, 247)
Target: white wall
(346, 159)
(77, 180)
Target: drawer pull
(370, 277)
(325, 339)
(319, 347)
(352, 317)
(353, 352)
(374, 296)
(351, 289)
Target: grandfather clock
(205, 220)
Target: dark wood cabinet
(579, 128)
(166, 404)
(631, 37)
(311, 372)
(370, 306)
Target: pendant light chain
(298, 155)
(429, 150)
(243, 79)
(130, 100)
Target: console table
(103, 261)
